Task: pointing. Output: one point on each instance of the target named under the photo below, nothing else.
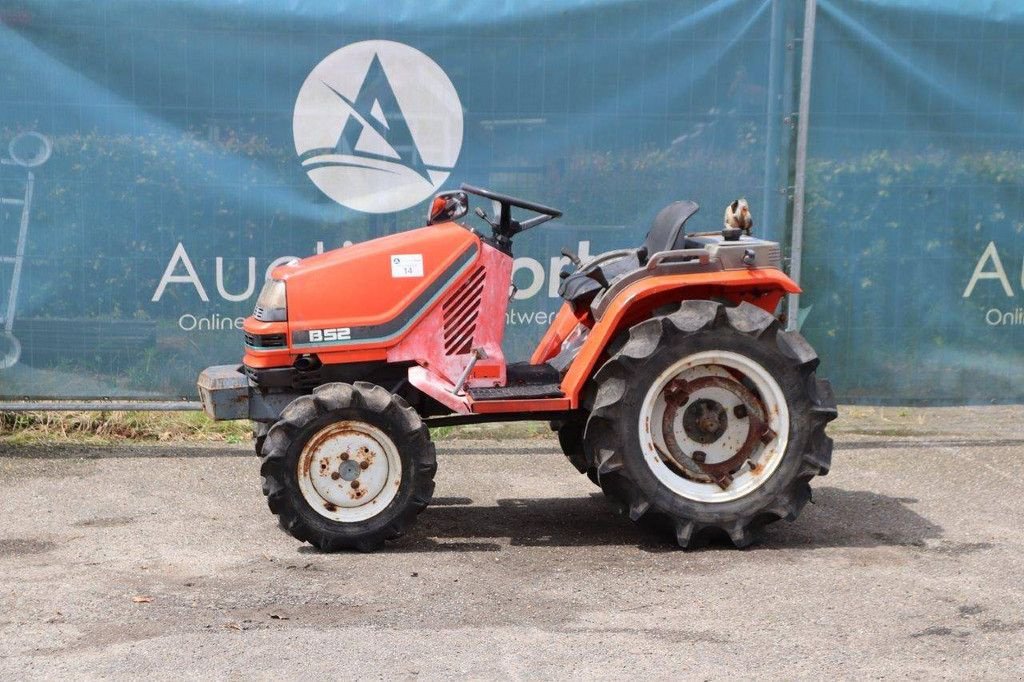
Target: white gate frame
(796, 245)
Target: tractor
(670, 381)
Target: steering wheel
(506, 227)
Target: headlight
(271, 306)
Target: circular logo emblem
(378, 126)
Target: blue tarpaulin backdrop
(191, 143)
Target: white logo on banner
(378, 126)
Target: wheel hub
(714, 426)
(705, 421)
(349, 470)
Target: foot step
(516, 392)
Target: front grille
(259, 313)
(265, 340)
(460, 313)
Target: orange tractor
(670, 381)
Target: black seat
(666, 231)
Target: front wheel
(348, 467)
(712, 418)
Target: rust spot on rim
(335, 430)
(338, 429)
(720, 473)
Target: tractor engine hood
(374, 290)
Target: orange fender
(763, 287)
(550, 344)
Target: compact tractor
(669, 379)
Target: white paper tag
(407, 265)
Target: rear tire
(259, 437)
(649, 429)
(348, 467)
(570, 439)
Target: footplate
(516, 392)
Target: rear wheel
(259, 437)
(349, 466)
(712, 418)
(570, 439)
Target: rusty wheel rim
(349, 471)
(714, 426)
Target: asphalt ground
(163, 562)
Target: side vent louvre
(460, 313)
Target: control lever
(572, 257)
(482, 214)
(477, 354)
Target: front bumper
(224, 392)
(227, 393)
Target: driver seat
(666, 234)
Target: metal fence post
(773, 122)
(800, 180)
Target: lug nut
(355, 484)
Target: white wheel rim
(349, 471)
(761, 462)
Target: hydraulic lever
(482, 214)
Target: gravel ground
(163, 562)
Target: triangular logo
(378, 126)
(375, 126)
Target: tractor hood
(374, 289)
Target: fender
(762, 287)
(549, 345)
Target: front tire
(348, 467)
(710, 418)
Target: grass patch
(114, 426)
(186, 426)
(21, 428)
(496, 431)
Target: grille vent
(265, 340)
(460, 313)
